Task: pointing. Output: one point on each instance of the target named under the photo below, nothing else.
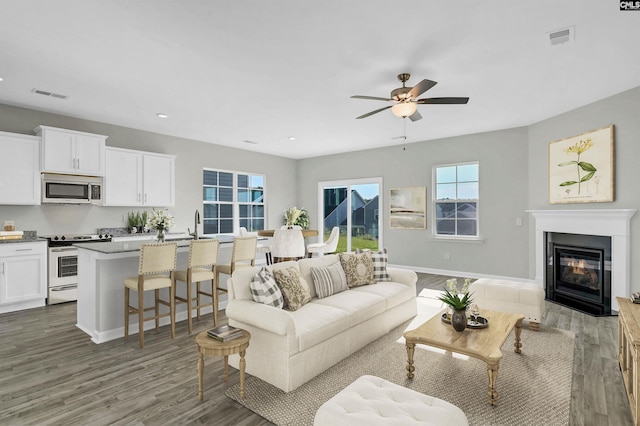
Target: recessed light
(1, 79)
(162, 115)
(292, 138)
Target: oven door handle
(58, 250)
(64, 287)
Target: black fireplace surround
(578, 273)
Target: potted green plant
(132, 220)
(458, 301)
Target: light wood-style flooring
(51, 373)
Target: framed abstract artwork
(408, 208)
(581, 168)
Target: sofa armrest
(277, 321)
(402, 276)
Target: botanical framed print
(581, 168)
(408, 208)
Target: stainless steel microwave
(71, 189)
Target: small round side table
(210, 346)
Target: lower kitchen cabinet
(23, 279)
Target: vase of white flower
(291, 215)
(161, 221)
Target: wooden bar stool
(156, 271)
(243, 255)
(203, 256)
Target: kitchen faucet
(196, 221)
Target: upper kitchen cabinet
(72, 152)
(20, 169)
(138, 178)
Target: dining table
(305, 233)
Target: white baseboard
(461, 274)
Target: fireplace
(579, 272)
(615, 224)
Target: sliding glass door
(354, 206)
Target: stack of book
(635, 297)
(224, 333)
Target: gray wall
(192, 157)
(503, 192)
(621, 111)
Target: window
(456, 200)
(231, 200)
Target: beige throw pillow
(294, 288)
(358, 267)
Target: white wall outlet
(447, 256)
(519, 221)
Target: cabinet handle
(27, 249)
(145, 197)
(139, 196)
(78, 163)
(2, 268)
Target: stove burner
(71, 238)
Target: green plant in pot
(133, 219)
(458, 301)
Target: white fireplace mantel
(614, 223)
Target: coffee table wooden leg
(492, 370)
(226, 367)
(200, 375)
(242, 366)
(517, 345)
(410, 368)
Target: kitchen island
(102, 268)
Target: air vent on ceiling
(53, 95)
(561, 36)
(250, 142)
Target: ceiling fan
(406, 100)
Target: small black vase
(459, 319)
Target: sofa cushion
(358, 267)
(360, 306)
(328, 280)
(317, 322)
(379, 259)
(393, 293)
(294, 288)
(265, 290)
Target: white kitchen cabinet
(70, 151)
(23, 279)
(20, 169)
(139, 178)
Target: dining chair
(288, 244)
(262, 247)
(156, 270)
(243, 255)
(201, 266)
(329, 246)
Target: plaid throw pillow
(328, 280)
(380, 259)
(265, 290)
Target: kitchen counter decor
(161, 221)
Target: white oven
(63, 275)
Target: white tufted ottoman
(510, 296)
(373, 401)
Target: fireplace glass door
(579, 273)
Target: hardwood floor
(51, 373)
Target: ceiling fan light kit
(406, 99)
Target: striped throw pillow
(329, 280)
(265, 290)
(380, 259)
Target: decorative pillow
(328, 280)
(358, 267)
(379, 259)
(265, 290)
(294, 288)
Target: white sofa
(289, 348)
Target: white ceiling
(232, 71)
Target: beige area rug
(534, 388)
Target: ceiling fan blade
(443, 101)
(372, 98)
(415, 116)
(374, 112)
(421, 87)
